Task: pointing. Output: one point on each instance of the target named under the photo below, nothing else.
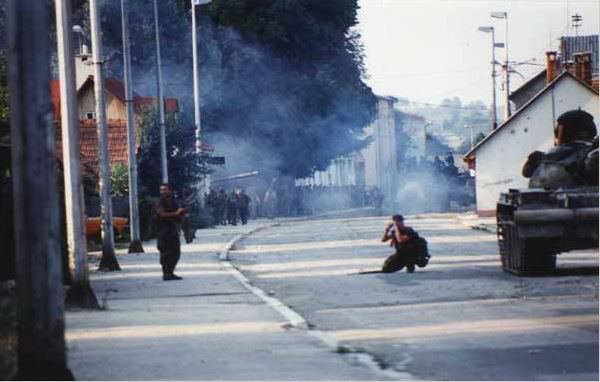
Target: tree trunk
(108, 262)
(41, 344)
(80, 294)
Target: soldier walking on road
(222, 207)
(243, 205)
(411, 249)
(169, 219)
(232, 208)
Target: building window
(90, 115)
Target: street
(460, 318)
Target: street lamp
(197, 121)
(488, 29)
(160, 100)
(79, 30)
(504, 15)
(196, 76)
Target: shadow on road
(575, 271)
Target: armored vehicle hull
(534, 225)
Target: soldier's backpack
(423, 256)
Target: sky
(428, 50)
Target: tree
(290, 80)
(186, 168)
(119, 179)
(284, 77)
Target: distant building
(498, 159)
(375, 165)
(414, 126)
(573, 45)
(115, 112)
(381, 165)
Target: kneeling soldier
(411, 249)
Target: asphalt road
(460, 318)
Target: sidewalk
(208, 326)
(471, 220)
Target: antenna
(576, 22)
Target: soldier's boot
(410, 268)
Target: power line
(456, 90)
(446, 106)
(379, 78)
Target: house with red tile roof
(116, 119)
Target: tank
(535, 225)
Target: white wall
(380, 155)
(414, 126)
(500, 160)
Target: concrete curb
(295, 319)
(224, 252)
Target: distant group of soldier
(228, 208)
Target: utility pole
(505, 66)
(80, 294)
(489, 29)
(161, 101)
(196, 79)
(197, 117)
(135, 244)
(576, 23)
(507, 111)
(108, 262)
(41, 329)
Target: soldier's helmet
(578, 125)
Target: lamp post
(197, 120)
(135, 242)
(161, 101)
(196, 76)
(79, 30)
(488, 29)
(505, 67)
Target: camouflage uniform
(168, 236)
(574, 160)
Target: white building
(381, 165)
(498, 159)
(414, 126)
(374, 166)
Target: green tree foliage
(291, 79)
(119, 179)
(283, 76)
(185, 167)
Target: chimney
(578, 67)
(570, 67)
(83, 69)
(551, 66)
(586, 67)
